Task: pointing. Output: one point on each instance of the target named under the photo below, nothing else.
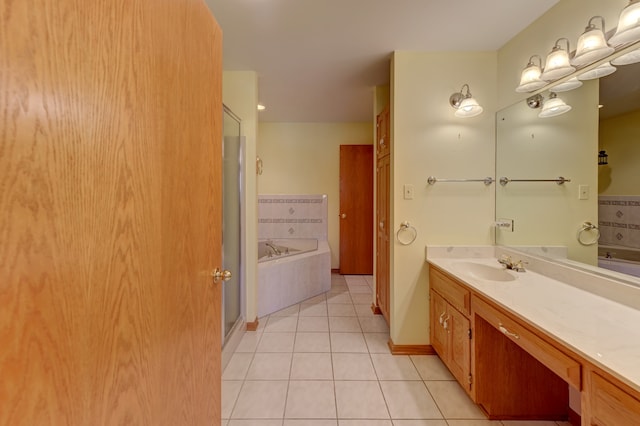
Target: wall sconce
(553, 107)
(530, 79)
(572, 83)
(557, 64)
(603, 158)
(465, 104)
(601, 71)
(592, 45)
(628, 25)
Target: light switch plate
(408, 191)
(583, 192)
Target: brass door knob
(219, 275)
(343, 215)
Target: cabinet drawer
(457, 295)
(555, 360)
(610, 405)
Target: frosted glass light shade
(628, 25)
(572, 83)
(592, 46)
(632, 57)
(530, 79)
(553, 107)
(469, 107)
(601, 71)
(557, 65)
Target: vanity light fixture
(464, 103)
(553, 106)
(592, 45)
(628, 25)
(572, 83)
(557, 64)
(261, 107)
(601, 71)
(632, 57)
(530, 79)
(535, 101)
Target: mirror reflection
(561, 217)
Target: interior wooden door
(383, 290)
(356, 209)
(110, 162)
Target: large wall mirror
(532, 152)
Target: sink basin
(484, 272)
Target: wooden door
(383, 291)
(356, 209)
(110, 162)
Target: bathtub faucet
(274, 248)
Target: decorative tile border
(292, 216)
(619, 220)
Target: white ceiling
(318, 60)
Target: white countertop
(605, 332)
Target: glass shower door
(231, 220)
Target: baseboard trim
(410, 349)
(253, 325)
(375, 309)
(335, 271)
(574, 418)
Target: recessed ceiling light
(261, 107)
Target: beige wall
(620, 137)
(240, 94)
(427, 139)
(304, 158)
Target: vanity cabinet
(609, 405)
(450, 328)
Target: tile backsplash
(619, 220)
(292, 216)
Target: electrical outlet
(583, 192)
(408, 191)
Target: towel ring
(588, 226)
(404, 226)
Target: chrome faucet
(510, 264)
(272, 247)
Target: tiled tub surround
(285, 281)
(591, 316)
(619, 220)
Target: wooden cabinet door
(437, 332)
(383, 291)
(459, 361)
(610, 405)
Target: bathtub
(620, 259)
(301, 270)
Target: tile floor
(325, 362)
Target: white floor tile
(378, 343)
(375, 324)
(348, 342)
(261, 400)
(281, 324)
(276, 342)
(339, 298)
(313, 309)
(313, 399)
(313, 324)
(261, 422)
(394, 367)
(344, 324)
(367, 422)
(349, 366)
(359, 298)
(237, 367)
(230, 392)
(249, 342)
(363, 310)
(270, 366)
(453, 402)
(360, 289)
(360, 400)
(421, 423)
(287, 312)
(310, 422)
(431, 367)
(341, 310)
(312, 342)
(476, 423)
(311, 366)
(409, 400)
